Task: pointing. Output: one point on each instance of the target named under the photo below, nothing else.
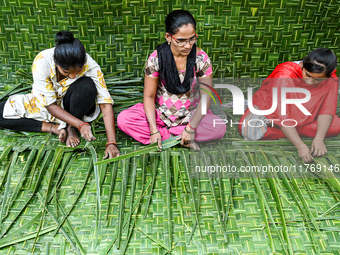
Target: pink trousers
(133, 122)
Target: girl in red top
(316, 73)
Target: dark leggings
(78, 101)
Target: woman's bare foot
(73, 139)
(53, 128)
(192, 145)
(62, 134)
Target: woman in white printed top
(68, 92)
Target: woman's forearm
(109, 121)
(150, 112)
(149, 95)
(198, 116)
(292, 134)
(324, 122)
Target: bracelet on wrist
(303, 145)
(189, 132)
(154, 133)
(51, 128)
(108, 143)
(318, 138)
(82, 124)
(191, 127)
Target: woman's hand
(305, 154)
(318, 148)
(86, 133)
(111, 151)
(187, 138)
(156, 138)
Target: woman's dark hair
(176, 19)
(321, 60)
(69, 52)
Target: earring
(169, 43)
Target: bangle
(189, 132)
(318, 138)
(301, 146)
(51, 128)
(82, 124)
(108, 143)
(192, 127)
(154, 132)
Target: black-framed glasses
(183, 42)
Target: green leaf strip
(43, 202)
(166, 144)
(114, 171)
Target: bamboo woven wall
(244, 38)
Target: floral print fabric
(47, 90)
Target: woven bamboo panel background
(243, 38)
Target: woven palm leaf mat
(91, 229)
(243, 38)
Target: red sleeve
(329, 103)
